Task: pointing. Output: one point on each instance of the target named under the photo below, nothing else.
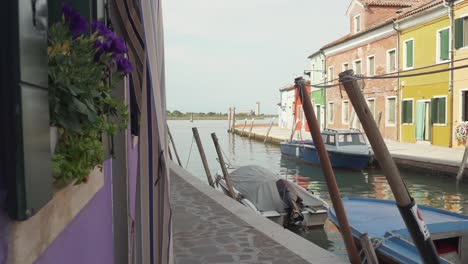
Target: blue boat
(382, 221)
(347, 149)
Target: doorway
(423, 121)
(320, 115)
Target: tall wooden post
(327, 171)
(229, 119)
(463, 163)
(203, 156)
(173, 146)
(243, 129)
(226, 175)
(233, 127)
(268, 132)
(251, 127)
(406, 204)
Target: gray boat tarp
(258, 185)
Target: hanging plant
(461, 131)
(83, 70)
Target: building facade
(460, 84)
(317, 95)
(426, 99)
(287, 107)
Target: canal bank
(209, 227)
(433, 160)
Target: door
(423, 125)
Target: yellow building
(425, 100)
(460, 77)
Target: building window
(357, 67)
(371, 65)
(390, 111)
(312, 73)
(331, 74)
(345, 113)
(461, 32)
(345, 67)
(443, 43)
(371, 104)
(409, 54)
(464, 105)
(391, 61)
(407, 111)
(331, 113)
(357, 23)
(322, 74)
(438, 110)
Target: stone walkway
(205, 231)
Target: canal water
(428, 190)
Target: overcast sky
(222, 53)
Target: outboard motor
(292, 201)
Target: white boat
(274, 197)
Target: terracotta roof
(409, 6)
(421, 7)
(388, 2)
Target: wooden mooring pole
(243, 129)
(327, 171)
(463, 163)
(233, 127)
(369, 250)
(203, 156)
(226, 175)
(406, 204)
(251, 127)
(229, 119)
(173, 146)
(268, 132)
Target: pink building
(369, 49)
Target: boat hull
(308, 154)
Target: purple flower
(118, 45)
(76, 22)
(123, 65)
(101, 48)
(101, 29)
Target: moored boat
(347, 149)
(274, 197)
(382, 221)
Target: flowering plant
(84, 67)
(461, 131)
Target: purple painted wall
(88, 238)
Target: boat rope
(376, 243)
(228, 163)
(190, 152)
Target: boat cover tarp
(258, 185)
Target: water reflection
(426, 189)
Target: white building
(287, 107)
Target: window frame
(330, 78)
(354, 65)
(445, 111)
(330, 118)
(465, 45)
(355, 23)
(438, 60)
(460, 105)
(343, 112)
(388, 61)
(405, 55)
(368, 65)
(373, 110)
(412, 111)
(343, 66)
(387, 111)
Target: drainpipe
(397, 54)
(324, 67)
(451, 80)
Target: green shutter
(441, 111)
(444, 44)
(407, 115)
(458, 33)
(434, 111)
(409, 54)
